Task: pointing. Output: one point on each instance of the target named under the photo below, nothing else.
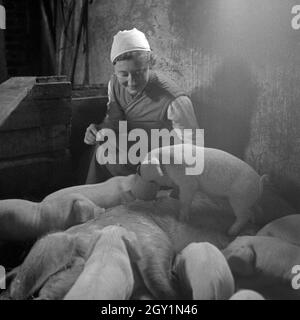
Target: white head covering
(127, 41)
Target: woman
(140, 96)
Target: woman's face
(133, 74)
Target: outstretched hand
(90, 134)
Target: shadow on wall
(287, 188)
(225, 108)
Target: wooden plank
(34, 159)
(19, 83)
(33, 141)
(42, 113)
(16, 89)
(12, 92)
(90, 91)
(51, 79)
(53, 90)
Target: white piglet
(190, 168)
(108, 273)
(22, 220)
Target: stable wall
(3, 71)
(239, 60)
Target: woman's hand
(90, 134)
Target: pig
(22, 220)
(108, 272)
(189, 168)
(53, 267)
(261, 263)
(247, 295)
(286, 228)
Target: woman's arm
(113, 116)
(181, 113)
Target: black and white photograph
(149, 151)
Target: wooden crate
(34, 177)
(35, 120)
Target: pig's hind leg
(242, 213)
(187, 190)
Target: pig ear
(98, 211)
(132, 245)
(175, 193)
(10, 276)
(159, 170)
(49, 255)
(86, 244)
(242, 260)
(84, 209)
(144, 190)
(156, 162)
